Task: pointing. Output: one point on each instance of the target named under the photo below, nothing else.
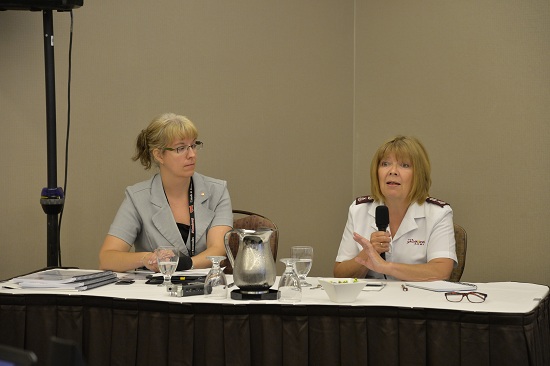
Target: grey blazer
(145, 220)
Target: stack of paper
(72, 279)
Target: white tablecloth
(503, 297)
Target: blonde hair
(162, 131)
(404, 147)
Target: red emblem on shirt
(363, 199)
(435, 201)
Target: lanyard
(192, 217)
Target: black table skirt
(137, 332)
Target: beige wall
(291, 99)
(471, 80)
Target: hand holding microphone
(382, 219)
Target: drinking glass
(215, 284)
(304, 256)
(167, 260)
(289, 284)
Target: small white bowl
(342, 289)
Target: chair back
(461, 246)
(251, 221)
(16, 356)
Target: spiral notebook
(443, 286)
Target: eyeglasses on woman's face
(184, 149)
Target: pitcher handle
(227, 248)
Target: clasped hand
(150, 262)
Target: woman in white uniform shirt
(419, 244)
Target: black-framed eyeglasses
(197, 145)
(471, 296)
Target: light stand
(52, 197)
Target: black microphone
(382, 219)
(185, 262)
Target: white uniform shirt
(426, 232)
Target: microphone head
(382, 218)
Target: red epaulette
(435, 201)
(363, 199)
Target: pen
(405, 288)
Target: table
(141, 325)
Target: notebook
(443, 286)
(69, 279)
(62, 275)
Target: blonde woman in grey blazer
(161, 210)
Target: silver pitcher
(254, 269)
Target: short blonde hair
(162, 131)
(404, 147)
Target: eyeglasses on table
(471, 296)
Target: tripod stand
(52, 198)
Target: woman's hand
(369, 256)
(380, 241)
(115, 255)
(149, 260)
(435, 269)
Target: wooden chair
(251, 221)
(461, 246)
